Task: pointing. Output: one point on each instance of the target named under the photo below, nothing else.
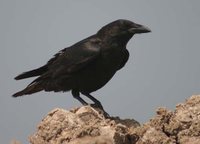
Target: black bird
(87, 65)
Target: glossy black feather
(87, 65)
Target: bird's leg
(96, 102)
(76, 95)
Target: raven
(87, 65)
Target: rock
(83, 125)
(15, 142)
(181, 126)
(91, 125)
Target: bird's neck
(119, 40)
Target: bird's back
(87, 65)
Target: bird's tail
(32, 88)
(32, 73)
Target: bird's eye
(128, 25)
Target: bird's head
(122, 29)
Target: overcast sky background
(163, 68)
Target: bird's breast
(97, 74)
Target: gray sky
(163, 68)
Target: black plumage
(87, 65)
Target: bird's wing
(74, 58)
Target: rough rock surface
(90, 125)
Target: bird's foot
(101, 109)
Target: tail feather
(32, 73)
(29, 90)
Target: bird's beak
(139, 29)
